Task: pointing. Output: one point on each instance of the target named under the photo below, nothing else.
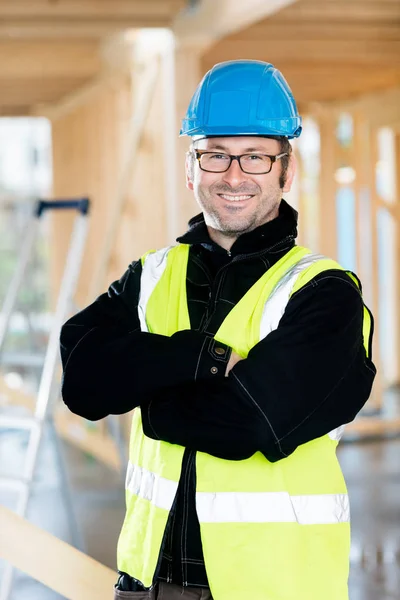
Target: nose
(234, 176)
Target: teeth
(234, 198)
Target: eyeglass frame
(237, 157)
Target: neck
(226, 241)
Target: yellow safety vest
(269, 531)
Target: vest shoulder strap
(311, 266)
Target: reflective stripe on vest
(258, 519)
(150, 277)
(243, 507)
(150, 486)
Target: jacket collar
(281, 229)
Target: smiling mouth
(235, 198)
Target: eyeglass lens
(252, 163)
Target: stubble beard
(266, 210)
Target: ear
(189, 165)
(290, 173)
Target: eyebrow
(246, 151)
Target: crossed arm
(303, 380)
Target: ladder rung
(12, 359)
(12, 483)
(7, 422)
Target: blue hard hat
(242, 97)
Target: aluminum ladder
(43, 410)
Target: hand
(234, 358)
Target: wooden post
(397, 259)
(189, 72)
(327, 213)
(377, 394)
(134, 136)
(362, 167)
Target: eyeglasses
(252, 164)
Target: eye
(254, 157)
(218, 156)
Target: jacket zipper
(216, 284)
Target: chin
(236, 228)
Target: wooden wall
(90, 146)
(87, 147)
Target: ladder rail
(17, 279)
(41, 415)
(68, 284)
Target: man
(246, 354)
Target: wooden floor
(372, 471)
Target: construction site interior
(92, 93)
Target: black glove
(126, 583)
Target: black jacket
(302, 381)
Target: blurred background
(91, 97)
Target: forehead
(239, 144)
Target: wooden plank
(87, 9)
(341, 71)
(52, 28)
(372, 103)
(32, 91)
(388, 117)
(273, 29)
(71, 145)
(212, 21)
(23, 110)
(397, 258)
(134, 137)
(51, 561)
(313, 82)
(351, 52)
(38, 59)
(330, 11)
(188, 72)
(376, 399)
(327, 193)
(367, 426)
(361, 152)
(82, 94)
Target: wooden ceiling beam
(15, 111)
(214, 20)
(31, 91)
(351, 52)
(80, 95)
(41, 59)
(313, 82)
(382, 108)
(389, 117)
(318, 30)
(88, 9)
(344, 11)
(52, 28)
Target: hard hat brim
(289, 128)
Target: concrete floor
(372, 471)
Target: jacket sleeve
(303, 380)
(110, 365)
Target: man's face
(235, 202)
